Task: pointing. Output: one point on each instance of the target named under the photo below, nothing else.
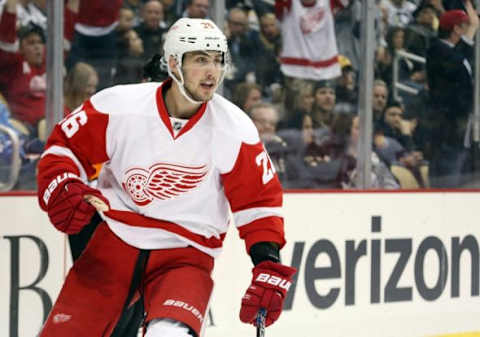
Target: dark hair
(395, 104)
(152, 70)
(29, 29)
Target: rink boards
(369, 264)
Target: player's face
(202, 71)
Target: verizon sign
(370, 264)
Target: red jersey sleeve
(255, 196)
(281, 6)
(73, 149)
(8, 32)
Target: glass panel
(422, 122)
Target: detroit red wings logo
(162, 181)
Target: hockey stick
(262, 313)
(96, 202)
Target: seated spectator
(247, 95)
(303, 105)
(379, 100)
(265, 118)
(197, 9)
(130, 62)
(410, 171)
(324, 103)
(381, 175)
(385, 57)
(23, 77)
(385, 147)
(126, 20)
(150, 29)
(169, 13)
(267, 72)
(310, 163)
(395, 126)
(134, 7)
(242, 50)
(346, 90)
(80, 83)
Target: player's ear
(172, 64)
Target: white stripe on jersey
(66, 152)
(249, 215)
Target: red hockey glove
(69, 212)
(270, 283)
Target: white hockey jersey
(309, 49)
(168, 188)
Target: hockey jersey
(168, 188)
(309, 49)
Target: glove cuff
(54, 188)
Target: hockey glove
(69, 212)
(270, 283)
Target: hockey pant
(175, 284)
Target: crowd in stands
(294, 69)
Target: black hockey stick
(262, 313)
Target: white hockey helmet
(188, 35)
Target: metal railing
(16, 162)
(396, 85)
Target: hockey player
(176, 157)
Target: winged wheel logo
(162, 181)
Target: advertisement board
(369, 264)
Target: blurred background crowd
(294, 69)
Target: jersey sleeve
(73, 149)
(255, 195)
(281, 7)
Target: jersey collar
(162, 110)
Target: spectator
(94, 40)
(306, 24)
(381, 176)
(242, 50)
(395, 42)
(247, 95)
(126, 20)
(23, 78)
(303, 105)
(80, 83)
(449, 71)
(419, 33)
(346, 89)
(379, 101)
(150, 30)
(410, 172)
(131, 60)
(308, 165)
(197, 9)
(169, 13)
(135, 6)
(265, 118)
(385, 147)
(395, 126)
(267, 72)
(324, 103)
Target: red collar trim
(162, 110)
(308, 5)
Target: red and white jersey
(98, 17)
(168, 189)
(309, 45)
